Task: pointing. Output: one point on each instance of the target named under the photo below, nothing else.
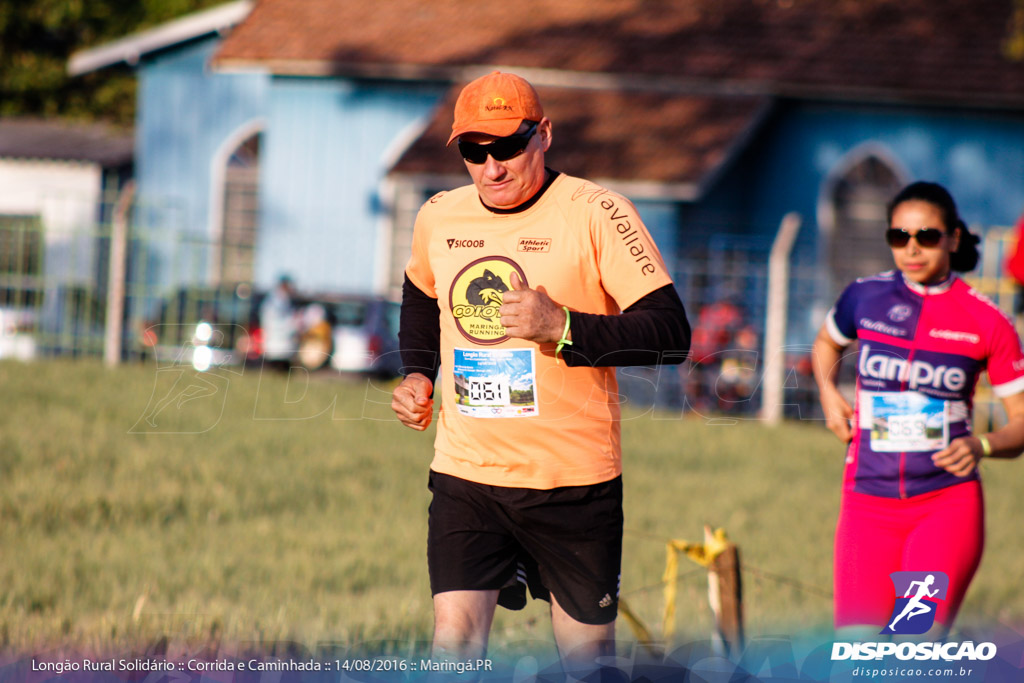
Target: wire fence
(724, 286)
(55, 284)
(991, 279)
(54, 291)
(693, 591)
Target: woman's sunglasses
(926, 237)
(502, 149)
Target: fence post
(775, 320)
(114, 327)
(725, 595)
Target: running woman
(912, 498)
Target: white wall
(65, 195)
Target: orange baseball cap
(495, 104)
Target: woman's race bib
(906, 421)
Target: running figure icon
(916, 605)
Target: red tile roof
(946, 50)
(649, 90)
(617, 137)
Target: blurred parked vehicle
(205, 327)
(362, 337)
(17, 329)
(217, 327)
(59, 320)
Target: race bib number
(495, 382)
(905, 421)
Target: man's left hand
(531, 314)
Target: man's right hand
(412, 403)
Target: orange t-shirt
(510, 415)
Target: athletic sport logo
(476, 294)
(534, 244)
(917, 596)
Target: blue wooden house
(197, 139)
(301, 136)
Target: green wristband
(563, 342)
(986, 447)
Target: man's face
(507, 184)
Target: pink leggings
(942, 530)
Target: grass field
(140, 504)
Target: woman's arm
(826, 357)
(962, 455)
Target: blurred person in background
(278, 323)
(1015, 268)
(722, 375)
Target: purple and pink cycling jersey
(922, 349)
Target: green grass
(251, 509)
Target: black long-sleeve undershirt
(652, 331)
(419, 332)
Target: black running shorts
(566, 541)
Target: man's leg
(462, 623)
(579, 644)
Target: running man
(526, 287)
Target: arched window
(857, 201)
(240, 212)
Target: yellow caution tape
(701, 553)
(639, 630)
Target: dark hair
(965, 258)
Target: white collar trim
(929, 289)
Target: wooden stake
(725, 595)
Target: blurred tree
(38, 36)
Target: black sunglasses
(502, 149)
(926, 237)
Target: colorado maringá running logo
(917, 596)
(476, 296)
